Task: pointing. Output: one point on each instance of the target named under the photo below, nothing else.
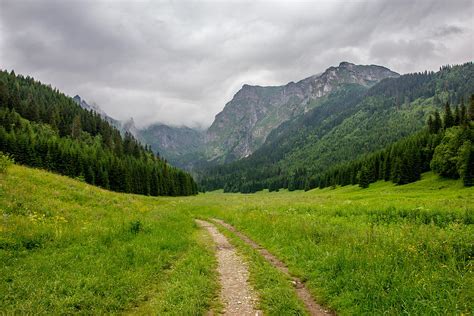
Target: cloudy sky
(179, 62)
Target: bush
(136, 227)
(5, 161)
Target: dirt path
(312, 307)
(236, 294)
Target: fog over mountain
(179, 63)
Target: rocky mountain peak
(255, 111)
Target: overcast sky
(179, 62)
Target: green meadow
(68, 247)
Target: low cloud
(180, 62)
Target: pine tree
(448, 116)
(470, 112)
(463, 113)
(430, 125)
(76, 127)
(468, 172)
(437, 124)
(457, 116)
(364, 178)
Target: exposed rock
(255, 111)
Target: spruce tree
(448, 116)
(463, 113)
(76, 127)
(430, 125)
(470, 112)
(437, 124)
(468, 172)
(364, 178)
(457, 116)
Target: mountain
(130, 127)
(247, 120)
(95, 108)
(180, 145)
(122, 126)
(253, 113)
(349, 122)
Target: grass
(68, 247)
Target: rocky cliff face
(255, 111)
(95, 108)
(122, 126)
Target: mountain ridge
(266, 107)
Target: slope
(245, 122)
(182, 146)
(42, 127)
(68, 247)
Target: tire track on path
(302, 291)
(236, 294)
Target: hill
(42, 127)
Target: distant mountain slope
(247, 120)
(347, 123)
(122, 126)
(179, 145)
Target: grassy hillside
(68, 247)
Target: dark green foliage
(470, 113)
(136, 227)
(364, 178)
(448, 117)
(43, 128)
(467, 172)
(437, 124)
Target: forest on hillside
(41, 127)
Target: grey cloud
(180, 62)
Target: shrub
(5, 161)
(136, 227)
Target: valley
(385, 249)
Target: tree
(448, 116)
(445, 157)
(364, 178)
(463, 113)
(470, 112)
(430, 125)
(457, 116)
(76, 127)
(437, 124)
(465, 163)
(4, 95)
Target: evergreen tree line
(41, 127)
(446, 146)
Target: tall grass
(386, 250)
(68, 247)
